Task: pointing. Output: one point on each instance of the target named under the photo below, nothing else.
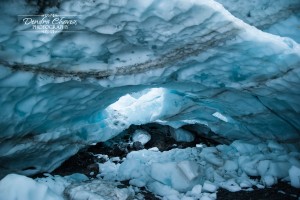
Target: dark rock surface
(280, 191)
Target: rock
(93, 167)
(137, 146)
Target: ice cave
(149, 99)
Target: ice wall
(213, 68)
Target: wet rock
(93, 168)
(76, 164)
(279, 191)
(137, 146)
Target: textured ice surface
(17, 187)
(76, 187)
(174, 174)
(141, 136)
(294, 173)
(181, 135)
(174, 63)
(197, 172)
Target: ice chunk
(209, 187)
(248, 165)
(294, 174)
(230, 185)
(220, 116)
(169, 174)
(130, 168)
(205, 198)
(197, 189)
(187, 198)
(154, 149)
(275, 145)
(269, 180)
(181, 135)
(162, 190)
(98, 189)
(263, 167)
(141, 136)
(212, 156)
(15, 186)
(279, 169)
(245, 183)
(245, 147)
(230, 165)
(189, 168)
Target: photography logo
(48, 23)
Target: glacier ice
(135, 62)
(174, 174)
(294, 174)
(179, 172)
(15, 186)
(141, 136)
(182, 135)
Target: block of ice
(169, 174)
(141, 136)
(269, 180)
(230, 185)
(197, 189)
(98, 190)
(209, 187)
(230, 165)
(294, 174)
(212, 156)
(17, 187)
(182, 135)
(263, 166)
(189, 168)
(161, 189)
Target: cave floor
(86, 160)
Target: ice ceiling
(231, 66)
